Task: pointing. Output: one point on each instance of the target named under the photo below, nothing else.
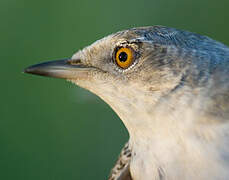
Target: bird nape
(171, 90)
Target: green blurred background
(50, 129)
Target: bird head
(129, 60)
(130, 70)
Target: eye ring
(124, 57)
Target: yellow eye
(124, 57)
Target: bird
(170, 88)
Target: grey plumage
(173, 99)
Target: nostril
(74, 61)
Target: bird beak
(66, 69)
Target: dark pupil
(122, 56)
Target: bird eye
(124, 57)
